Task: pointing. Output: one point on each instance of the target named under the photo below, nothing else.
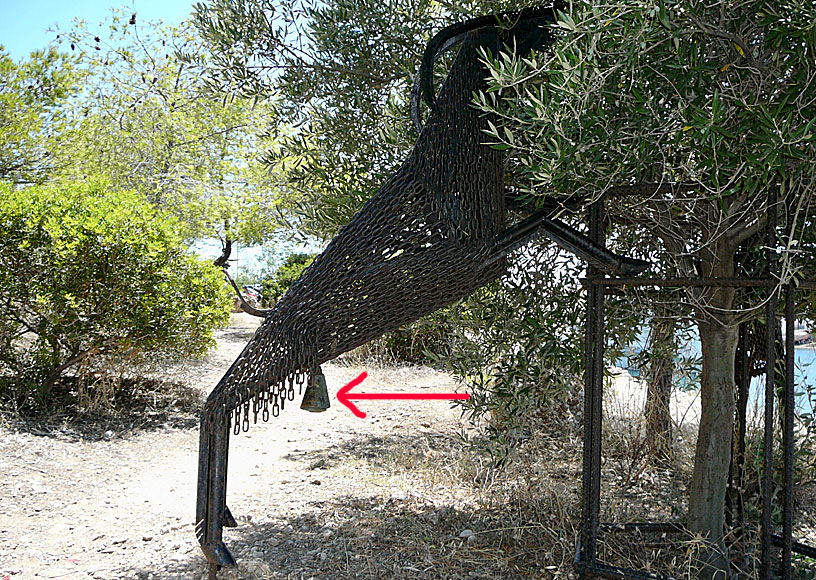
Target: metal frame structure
(586, 561)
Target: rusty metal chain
(418, 245)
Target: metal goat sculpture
(433, 234)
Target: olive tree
(341, 73)
(713, 106)
(147, 121)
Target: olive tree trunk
(712, 458)
(719, 336)
(659, 386)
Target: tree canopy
(712, 107)
(342, 72)
(33, 94)
(147, 121)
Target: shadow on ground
(403, 450)
(366, 538)
(135, 406)
(237, 333)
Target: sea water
(688, 378)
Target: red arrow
(344, 397)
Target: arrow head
(343, 395)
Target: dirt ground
(399, 494)
(323, 495)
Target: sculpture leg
(211, 509)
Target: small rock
(147, 538)
(319, 464)
(466, 533)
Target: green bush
(91, 280)
(422, 342)
(275, 287)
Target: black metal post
(587, 559)
(593, 402)
(787, 432)
(735, 500)
(770, 378)
(217, 499)
(597, 377)
(212, 514)
(586, 553)
(586, 550)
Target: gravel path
(302, 486)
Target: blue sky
(24, 23)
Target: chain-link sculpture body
(432, 234)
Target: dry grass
(434, 508)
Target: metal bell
(316, 397)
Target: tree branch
(737, 236)
(222, 262)
(246, 306)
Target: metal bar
(797, 547)
(218, 478)
(618, 573)
(743, 394)
(587, 536)
(588, 545)
(597, 233)
(597, 408)
(787, 432)
(203, 480)
(682, 282)
(213, 489)
(770, 378)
